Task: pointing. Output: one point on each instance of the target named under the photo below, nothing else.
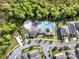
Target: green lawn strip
(33, 48)
(55, 51)
(25, 50)
(50, 37)
(55, 38)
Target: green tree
(24, 9)
(7, 27)
(44, 12)
(76, 7)
(1, 41)
(55, 13)
(7, 44)
(70, 11)
(1, 50)
(7, 36)
(39, 16)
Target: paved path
(45, 46)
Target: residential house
(77, 27)
(64, 31)
(31, 55)
(77, 53)
(28, 24)
(34, 55)
(61, 56)
(72, 28)
(71, 54)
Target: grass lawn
(50, 37)
(53, 52)
(33, 48)
(12, 44)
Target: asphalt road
(45, 46)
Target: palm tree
(54, 57)
(60, 49)
(30, 48)
(45, 41)
(68, 58)
(66, 53)
(77, 53)
(77, 45)
(50, 42)
(39, 41)
(29, 42)
(66, 48)
(54, 48)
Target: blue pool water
(46, 25)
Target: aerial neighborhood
(40, 43)
(39, 29)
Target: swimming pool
(46, 25)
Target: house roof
(32, 33)
(32, 55)
(78, 51)
(64, 30)
(61, 56)
(77, 25)
(28, 24)
(24, 56)
(35, 55)
(71, 54)
(72, 28)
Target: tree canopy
(39, 9)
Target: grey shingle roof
(77, 26)
(35, 55)
(72, 28)
(72, 55)
(64, 30)
(61, 56)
